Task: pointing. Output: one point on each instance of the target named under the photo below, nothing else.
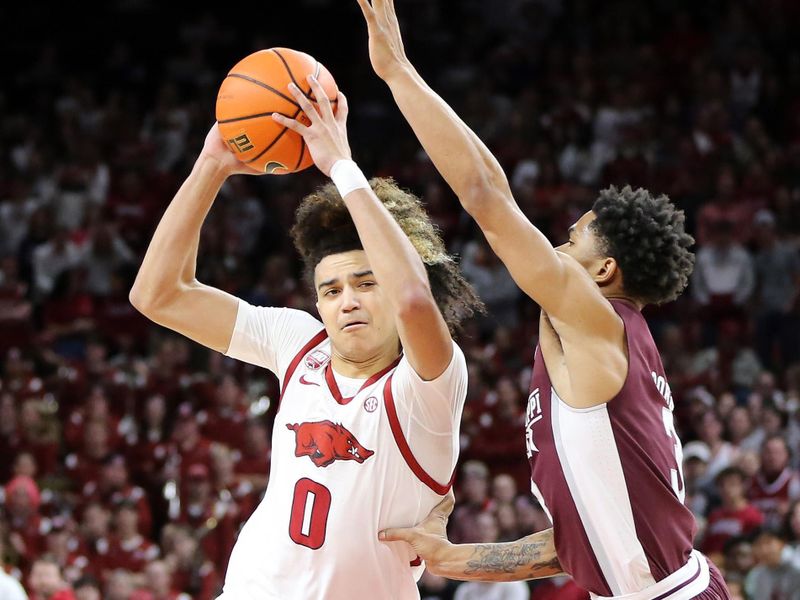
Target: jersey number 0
(310, 508)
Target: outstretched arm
(551, 278)
(531, 557)
(166, 290)
(396, 264)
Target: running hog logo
(324, 442)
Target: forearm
(397, 266)
(170, 261)
(531, 557)
(466, 164)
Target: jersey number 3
(675, 475)
(310, 508)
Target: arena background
(133, 455)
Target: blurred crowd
(131, 456)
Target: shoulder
(272, 314)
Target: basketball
(255, 88)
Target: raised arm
(166, 290)
(546, 275)
(393, 259)
(531, 557)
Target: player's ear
(607, 272)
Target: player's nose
(349, 299)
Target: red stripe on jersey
(402, 444)
(334, 387)
(298, 357)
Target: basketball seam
(266, 86)
(294, 81)
(274, 141)
(266, 114)
(302, 152)
(291, 75)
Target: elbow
(140, 300)
(415, 300)
(148, 301)
(483, 197)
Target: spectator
(253, 464)
(130, 550)
(736, 517)
(496, 440)
(696, 456)
(191, 448)
(473, 500)
(158, 582)
(774, 576)
(492, 283)
(26, 533)
(722, 453)
(46, 581)
(120, 585)
(723, 277)
(725, 208)
(777, 266)
(730, 365)
(113, 489)
(51, 260)
(212, 518)
(95, 532)
(228, 414)
(193, 574)
(739, 426)
(776, 485)
(87, 588)
(104, 253)
(738, 558)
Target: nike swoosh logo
(304, 381)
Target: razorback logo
(324, 442)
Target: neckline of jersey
(334, 387)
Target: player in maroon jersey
(605, 459)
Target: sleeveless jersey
(341, 470)
(769, 498)
(610, 479)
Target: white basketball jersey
(342, 469)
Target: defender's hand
(427, 538)
(386, 50)
(326, 137)
(216, 149)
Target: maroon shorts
(716, 590)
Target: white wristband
(348, 177)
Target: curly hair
(646, 236)
(323, 226)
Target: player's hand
(427, 538)
(216, 149)
(326, 137)
(386, 50)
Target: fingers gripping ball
(255, 88)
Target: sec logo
(371, 404)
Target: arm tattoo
(525, 558)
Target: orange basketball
(255, 88)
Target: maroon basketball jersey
(610, 478)
(770, 497)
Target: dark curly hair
(323, 226)
(646, 236)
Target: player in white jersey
(366, 433)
